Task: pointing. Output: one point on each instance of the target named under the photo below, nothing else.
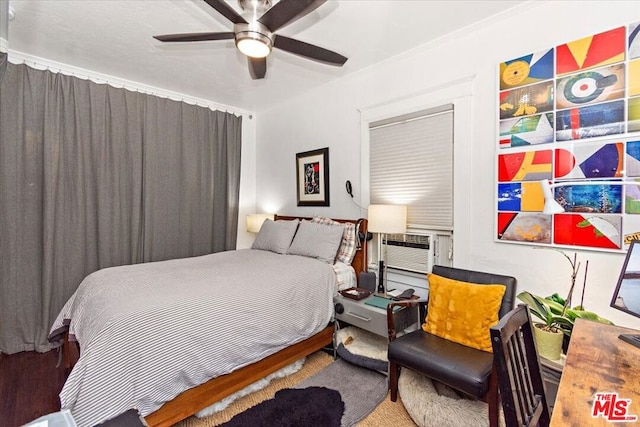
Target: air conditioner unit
(418, 253)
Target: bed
(169, 340)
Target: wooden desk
(597, 362)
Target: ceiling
(115, 38)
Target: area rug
(256, 386)
(361, 389)
(311, 406)
(355, 391)
(385, 414)
(430, 403)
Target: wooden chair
(518, 367)
(463, 368)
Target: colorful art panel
(526, 101)
(524, 131)
(633, 158)
(581, 99)
(591, 52)
(526, 70)
(595, 231)
(634, 40)
(632, 199)
(520, 196)
(599, 160)
(590, 198)
(509, 197)
(525, 166)
(590, 122)
(591, 87)
(524, 227)
(633, 115)
(634, 78)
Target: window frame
(458, 93)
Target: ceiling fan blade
(195, 37)
(287, 11)
(310, 51)
(227, 11)
(257, 67)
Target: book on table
(380, 302)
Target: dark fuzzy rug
(290, 407)
(361, 389)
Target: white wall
(331, 117)
(247, 197)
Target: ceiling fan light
(254, 45)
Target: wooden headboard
(359, 262)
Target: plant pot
(549, 343)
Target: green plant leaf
(589, 315)
(537, 306)
(557, 298)
(550, 312)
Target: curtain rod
(38, 63)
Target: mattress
(148, 332)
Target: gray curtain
(91, 177)
(179, 168)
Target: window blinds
(411, 162)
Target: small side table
(370, 318)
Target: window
(455, 96)
(411, 163)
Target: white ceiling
(114, 38)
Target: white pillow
(275, 236)
(347, 250)
(314, 240)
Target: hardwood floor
(29, 386)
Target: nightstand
(370, 318)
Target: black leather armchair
(460, 367)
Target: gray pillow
(275, 236)
(320, 241)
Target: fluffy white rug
(431, 403)
(258, 385)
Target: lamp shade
(387, 219)
(551, 206)
(254, 221)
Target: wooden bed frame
(195, 399)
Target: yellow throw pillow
(463, 312)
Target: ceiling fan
(255, 35)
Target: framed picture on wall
(312, 177)
(569, 116)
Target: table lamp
(384, 220)
(254, 221)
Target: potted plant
(556, 314)
(548, 333)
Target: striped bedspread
(148, 332)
